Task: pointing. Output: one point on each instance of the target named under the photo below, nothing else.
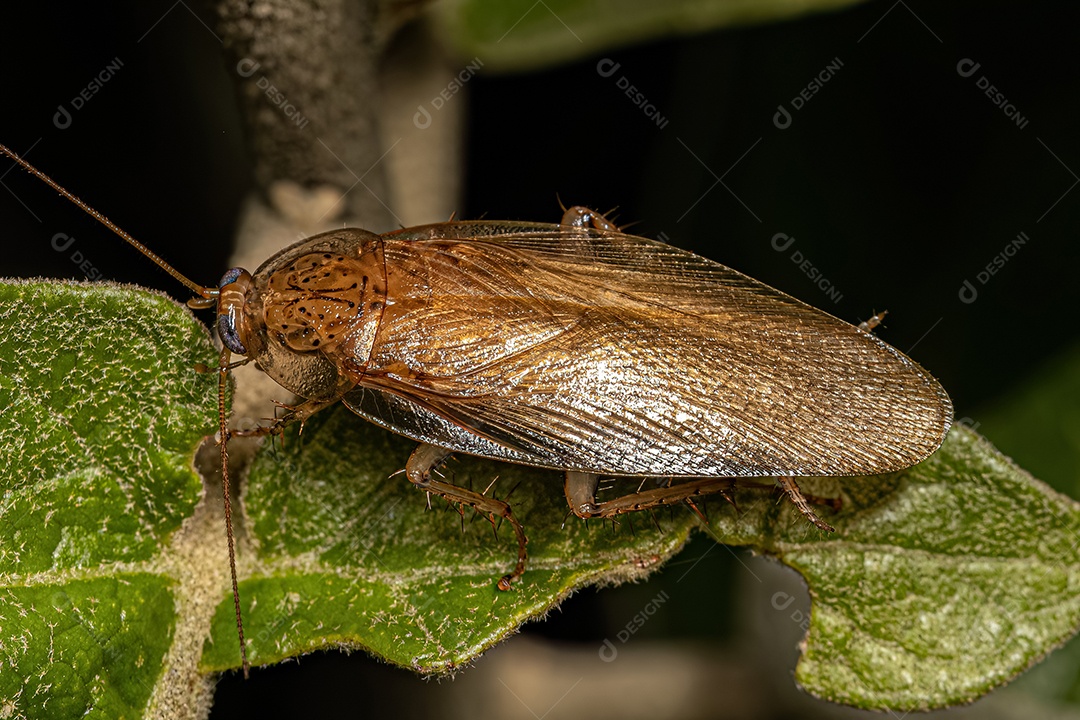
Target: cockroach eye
(231, 276)
(231, 324)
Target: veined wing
(616, 354)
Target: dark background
(899, 179)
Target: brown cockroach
(574, 347)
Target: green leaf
(515, 35)
(941, 582)
(350, 556)
(1037, 422)
(100, 413)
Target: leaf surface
(940, 583)
(100, 414)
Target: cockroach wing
(615, 354)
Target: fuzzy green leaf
(100, 413)
(350, 556)
(1037, 422)
(940, 583)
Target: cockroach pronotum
(574, 347)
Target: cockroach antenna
(595, 383)
(207, 297)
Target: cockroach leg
(419, 468)
(791, 489)
(873, 322)
(833, 503)
(698, 512)
(580, 490)
(293, 413)
(584, 218)
(656, 522)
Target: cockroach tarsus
(573, 347)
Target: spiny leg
(582, 217)
(792, 491)
(293, 413)
(873, 322)
(580, 490)
(424, 459)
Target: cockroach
(573, 347)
